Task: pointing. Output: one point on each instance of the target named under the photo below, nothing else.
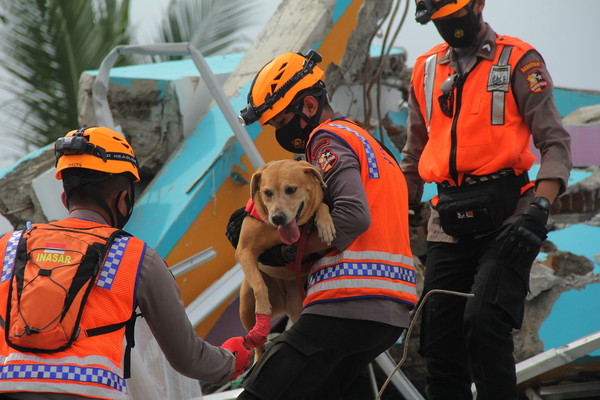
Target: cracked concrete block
(148, 113)
(283, 33)
(589, 115)
(561, 272)
(542, 278)
(18, 203)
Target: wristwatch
(542, 203)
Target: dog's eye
(268, 193)
(290, 190)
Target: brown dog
(287, 194)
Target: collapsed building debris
(149, 116)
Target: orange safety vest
(379, 262)
(91, 366)
(486, 132)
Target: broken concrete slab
(560, 272)
(155, 105)
(18, 203)
(581, 200)
(589, 115)
(147, 112)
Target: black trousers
(470, 340)
(318, 358)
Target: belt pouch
(480, 207)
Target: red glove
(241, 353)
(258, 334)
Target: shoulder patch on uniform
(529, 66)
(320, 144)
(537, 81)
(327, 160)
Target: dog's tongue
(289, 233)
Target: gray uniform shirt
(159, 301)
(347, 199)
(538, 111)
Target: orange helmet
(433, 9)
(96, 148)
(277, 83)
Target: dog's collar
(252, 211)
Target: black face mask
(460, 32)
(129, 200)
(292, 137)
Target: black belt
(503, 174)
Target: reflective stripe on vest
(9, 256)
(371, 159)
(354, 264)
(498, 83)
(96, 375)
(112, 262)
(366, 255)
(428, 82)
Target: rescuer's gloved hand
(521, 240)
(241, 353)
(234, 226)
(258, 334)
(279, 255)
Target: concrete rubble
(589, 115)
(580, 202)
(148, 115)
(18, 203)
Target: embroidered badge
(529, 66)
(537, 82)
(327, 160)
(499, 78)
(320, 144)
(486, 47)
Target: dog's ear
(255, 180)
(255, 183)
(316, 172)
(254, 193)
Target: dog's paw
(324, 224)
(326, 231)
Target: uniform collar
(486, 47)
(335, 116)
(87, 215)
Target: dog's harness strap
(251, 210)
(300, 250)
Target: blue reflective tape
(112, 262)
(352, 269)
(371, 159)
(10, 255)
(41, 372)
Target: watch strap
(542, 203)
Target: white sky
(565, 32)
